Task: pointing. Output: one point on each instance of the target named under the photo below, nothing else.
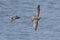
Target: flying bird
(14, 18)
(36, 18)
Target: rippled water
(22, 29)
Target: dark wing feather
(37, 11)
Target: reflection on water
(22, 29)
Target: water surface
(22, 29)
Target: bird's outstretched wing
(35, 24)
(37, 11)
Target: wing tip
(38, 7)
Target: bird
(14, 17)
(36, 17)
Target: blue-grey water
(22, 29)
